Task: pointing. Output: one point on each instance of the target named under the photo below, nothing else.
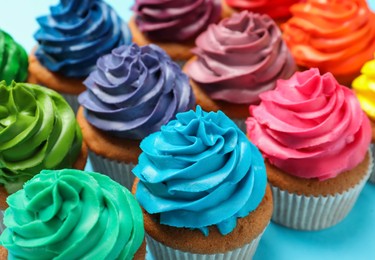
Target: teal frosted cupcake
(13, 59)
(71, 214)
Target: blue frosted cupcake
(70, 40)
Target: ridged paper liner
(240, 122)
(2, 226)
(160, 252)
(72, 101)
(315, 213)
(372, 175)
(117, 171)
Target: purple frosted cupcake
(132, 93)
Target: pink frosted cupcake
(315, 139)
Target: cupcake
(132, 93)
(202, 186)
(365, 92)
(315, 139)
(278, 10)
(334, 36)
(173, 25)
(38, 131)
(235, 61)
(70, 40)
(13, 59)
(71, 214)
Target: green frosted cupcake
(13, 59)
(71, 214)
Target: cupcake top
(364, 88)
(310, 126)
(200, 170)
(13, 59)
(277, 9)
(76, 33)
(334, 36)
(71, 214)
(38, 131)
(175, 21)
(134, 91)
(240, 57)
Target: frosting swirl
(364, 88)
(277, 9)
(200, 170)
(71, 214)
(241, 57)
(76, 34)
(13, 59)
(334, 36)
(38, 130)
(177, 21)
(134, 91)
(310, 126)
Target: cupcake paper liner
(72, 101)
(240, 122)
(372, 176)
(2, 226)
(160, 251)
(315, 213)
(117, 171)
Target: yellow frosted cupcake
(364, 88)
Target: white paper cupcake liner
(72, 101)
(117, 171)
(314, 213)
(372, 175)
(160, 251)
(240, 122)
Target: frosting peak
(71, 214)
(241, 57)
(176, 21)
(76, 34)
(200, 170)
(134, 91)
(310, 126)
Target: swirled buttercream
(176, 21)
(13, 59)
(200, 170)
(364, 88)
(241, 57)
(71, 214)
(134, 91)
(76, 34)
(276, 9)
(310, 126)
(334, 36)
(38, 130)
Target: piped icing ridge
(310, 126)
(38, 130)
(71, 214)
(241, 57)
(134, 91)
(13, 59)
(76, 33)
(200, 170)
(276, 9)
(334, 36)
(364, 88)
(175, 21)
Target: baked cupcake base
(114, 157)
(69, 88)
(309, 204)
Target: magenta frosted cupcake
(235, 61)
(315, 139)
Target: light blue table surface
(353, 238)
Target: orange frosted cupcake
(335, 36)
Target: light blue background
(354, 238)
